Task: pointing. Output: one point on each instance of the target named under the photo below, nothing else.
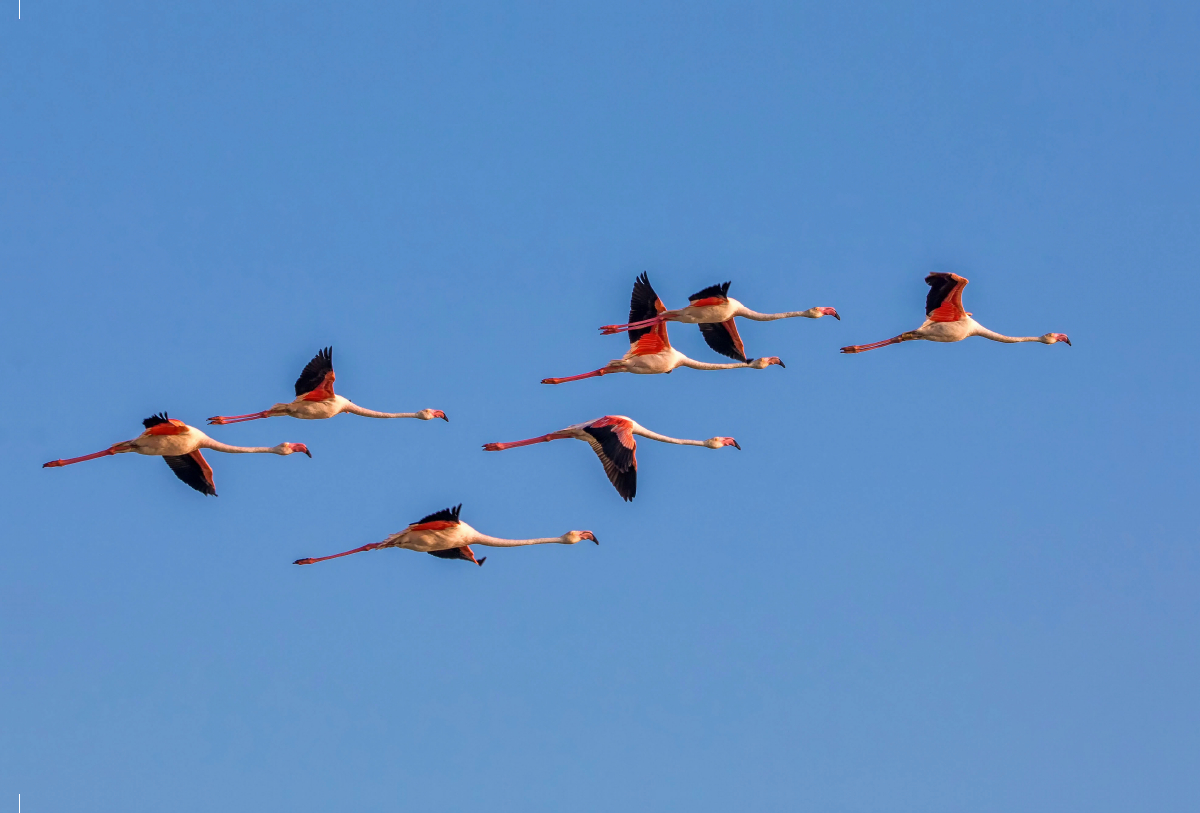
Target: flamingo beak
(736, 446)
(780, 363)
(300, 447)
(1065, 339)
(831, 312)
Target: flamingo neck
(770, 317)
(684, 361)
(638, 429)
(1000, 337)
(370, 413)
(495, 542)
(218, 446)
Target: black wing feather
(188, 470)
(315, 371)
(718, 338)
(721, 290)
(452, 553)
(941, 285)
(643, 304)
(620, 462)
(445, 515)
(155, 420)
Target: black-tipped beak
(835, 316)
(594, 539)
(307, 452)
(444, 418)
(781, 364)
(1068, 341)
(736, 446)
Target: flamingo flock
(613, 438)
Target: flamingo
(179, 444)
(612, 439)
(947, 321)
(315, 399)
(650, 350)
(714, 311)
(444, 535)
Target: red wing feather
(944, 301)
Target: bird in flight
(612, 439)
(947, 321)
(714, 311)
(650, 350)
(315, 399)
(179, 444)
(444, 535)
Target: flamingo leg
(310, 561)
(500, 447)
(221, 420)
(862, 348)
(608, 330)
(56, 463)
(592, 374)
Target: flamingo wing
(464, 553)
(943, 303)
(712, 295)
(643, 304)
(723, 337)
(155, 420)
(317, 374)
(438, 521)
(194, 470)
(614, 443)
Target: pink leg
(592, 374)
(220, 420)
(862, 348)
(372, 546)
(56, 463)
(500, 447)
(608, 330)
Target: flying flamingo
(179, 444)
(446, 536)
(315, 399)
(714, 311)
(650, 350)
(612, 439)
(947, 321)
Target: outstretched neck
(218, 446)
(638, 429)
(811, 313)
(1000, 337)
(496, 542)
(370, 413)
(700, 365)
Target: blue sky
(936, 578)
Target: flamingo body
(947, 321)
(179, 445)
(714, 311)
(315, 399)
(444, 535)
(650, 350)
(612, 439)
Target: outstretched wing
(194, 470)
(723, 337)
(318, 374)
(614, 444)
(943, 303)
(712, 295)
(439, 521)
(643, 304)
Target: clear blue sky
(937, 578)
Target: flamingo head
(1051, 338)
(767, 361)
(571, 537)
(827, 312)
(289, 448)
(430, 414)
(720, 443)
